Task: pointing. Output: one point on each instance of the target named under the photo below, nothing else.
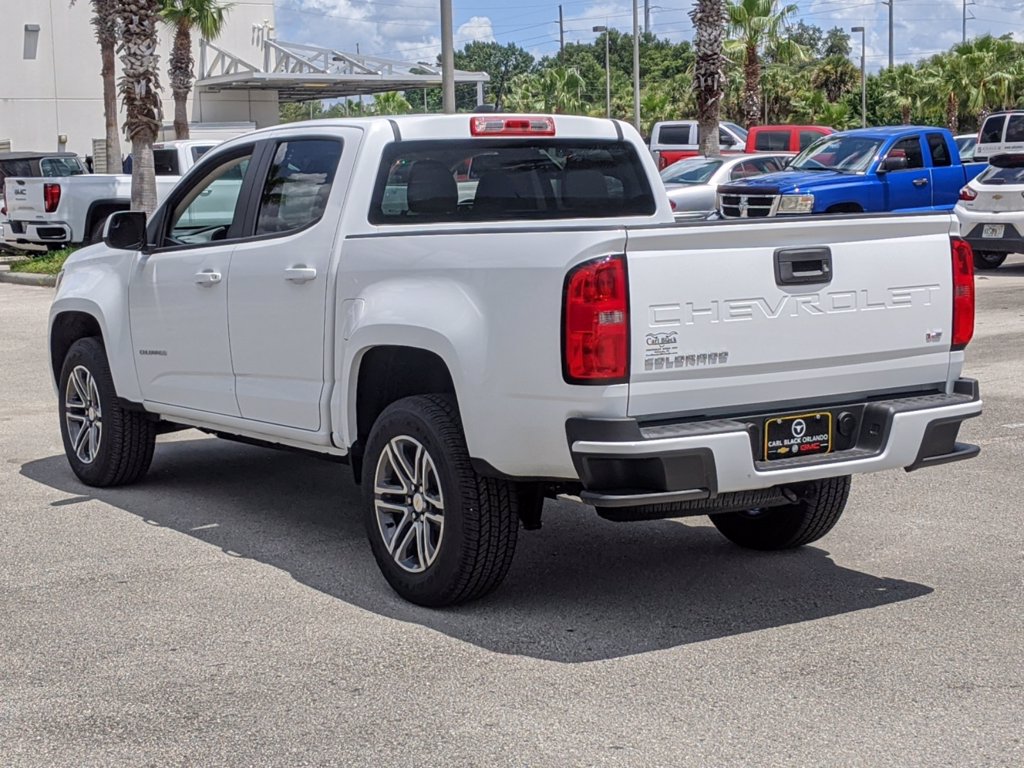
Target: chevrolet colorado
(542, 330)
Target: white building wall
(50, 79)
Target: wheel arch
(849, 207)
(382, 374)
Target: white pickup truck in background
(553, 334)
(72, 210)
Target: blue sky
(410, 30)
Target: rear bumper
(1012, 240)
(30, 232)
(623, 463)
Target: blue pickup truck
(905, 168)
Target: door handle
(300, 274)
(800, 266)
(207, 277)
(920, 182)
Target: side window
(992, 129)
(207, 210)
(725, 139)
(807, 138)
(768, 164)
(939, 150)
(297, 187)
(772, 141)
(165, 162)
(744, 169)
(911, 149)
(1015, 128)
(674, 135)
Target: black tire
(988, 259)
(124, 448)
(480, 525)
(96, 233)
(821, 504)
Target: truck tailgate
(716, 318)
(24, 198)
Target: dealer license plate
(992, 230)
(803, 435)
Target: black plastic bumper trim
(627, 499)
(960, 452)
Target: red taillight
(596, 323)
(963, 293)
(967, 194)
(51, 197)
(493, 125)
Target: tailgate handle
(799, 266)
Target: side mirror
(894, 164)
(125, 231)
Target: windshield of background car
(61, 166)
(846, 154)
(695, 170)
(740, 132)
(420, 182)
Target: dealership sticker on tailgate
(788, 436)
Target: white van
(1002, 132)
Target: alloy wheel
(409, 503)
(83, 414)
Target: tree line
(771, 70)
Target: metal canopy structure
(305, 72)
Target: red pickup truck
(784, 138)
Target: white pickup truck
(73, 210)
(554, 334)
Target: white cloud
(407, 31)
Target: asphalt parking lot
(227, 611)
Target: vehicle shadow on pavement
(582, 589)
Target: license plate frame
(803, 434)
(993, 231)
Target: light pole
(447, 59)
(607, 73)
(863, 80)
(636, 66)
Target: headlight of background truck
(796, 204)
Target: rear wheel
(105, 444)
(441, 533)
(820, 506)
(988, 259)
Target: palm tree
(951, 84)
(140, 91)
(206, 16)
(901, 90)
(836, 76)
(757, 24)
(105, 24)
(555, 89)
(709, 18)
(391, 103)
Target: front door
(280, 306)
(910, 188)
(178, 294)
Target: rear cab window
(61, 166)
(165, 162)
(513, 179)
(939, 150)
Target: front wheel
(988, 259)
(105, 443)
(818, 509)
(440, 533)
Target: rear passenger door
(947, 179)
(280, 302)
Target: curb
(27, 278)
